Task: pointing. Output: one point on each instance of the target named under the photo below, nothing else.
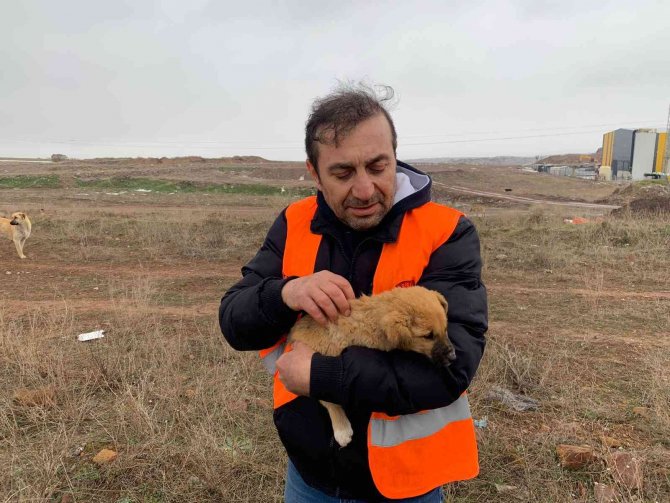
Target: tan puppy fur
(17, 228)
(411, 319)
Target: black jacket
(253, 316)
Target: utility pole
(666, 158)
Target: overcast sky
(218, 78)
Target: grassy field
(29, 181)
(580, 322)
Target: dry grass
(188, 416)
(191, 234)
(568, 330)
(576, 323)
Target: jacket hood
(409, 182)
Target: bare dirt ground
(580, 321)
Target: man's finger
(338, 298)
(315, 312)
(326, 304)
(345, 286)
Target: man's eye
(343, 175)
(378, 168)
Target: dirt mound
(248, 158)
(568, 159)
(651, 205)
(642, 198)
(646, 206)
(637, 190)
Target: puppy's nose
(443, 353)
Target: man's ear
(315, 174)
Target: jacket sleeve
(252, 314)
(404, 382)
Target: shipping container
(644, 153)
(562, 170)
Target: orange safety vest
(408, 454)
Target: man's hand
(323, 295)
(295, 368)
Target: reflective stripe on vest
(417, 466)
(270, 356)
(390, 431)
(410, 454)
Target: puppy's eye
(430, 336)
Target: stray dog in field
(17, 228)
(411, 319)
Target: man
(371, 227)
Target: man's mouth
(363, 211)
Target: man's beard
(366, 222)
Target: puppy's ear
(442, 300)
(396, 327)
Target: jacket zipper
(332, 450)
(354, 257)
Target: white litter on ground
(89, 336)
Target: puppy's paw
(343, 436)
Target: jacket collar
(325, 221)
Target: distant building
(584, 171)
(561, 170)
(632, 154)
(618, 151)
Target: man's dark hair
(335, 115)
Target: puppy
(17, 228)
(411, 319)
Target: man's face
(357, 177)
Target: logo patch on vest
(406, 284)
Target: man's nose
(363, 188)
